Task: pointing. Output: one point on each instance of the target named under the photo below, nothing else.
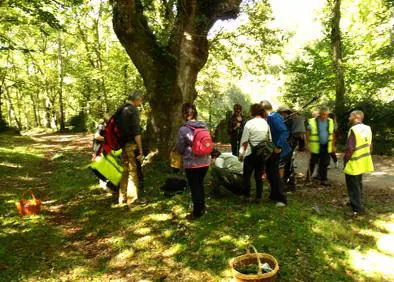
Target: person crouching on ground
(196, 167)
(255, 131)
(357, 159)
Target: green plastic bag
(110, 166)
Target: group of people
(288, 130)
(282, 128)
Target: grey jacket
(184, 146)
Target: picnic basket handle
(259, 271)
(31, 193)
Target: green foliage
(309, 75)
(378, 115)
(78, 122)
(95, 77)
(367, 59)
(249, 49)
(235, 55)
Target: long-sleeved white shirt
(255, 131)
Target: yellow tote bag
(175, 160)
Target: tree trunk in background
(3, 124)
(97, 61)
(169, 70)
(61, 82)
(97, 50)
(12, 112)
(35, 111)
(336, 44)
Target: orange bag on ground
(28, 207)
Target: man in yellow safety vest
(357, 159)
(320, 136)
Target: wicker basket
(249, 258)
(28, 207)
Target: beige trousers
(128, 183)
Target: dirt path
(381, 178)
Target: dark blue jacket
(279, 132)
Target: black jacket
(128, 122)
(231, 127)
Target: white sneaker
(329, 166)
(280, 205)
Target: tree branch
(131, 27)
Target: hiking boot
(280, 205)
(114, 198)
(290, 187)
(257, 201)
(354, 214)
(192, 216)
(139, 202)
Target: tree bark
(13, 112)
(336, 44)
(170, 69)
(3, 124)
(61, 82)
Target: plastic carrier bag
(109, 166)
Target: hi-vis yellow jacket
(361, 161)
(314, 143)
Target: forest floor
(80, 236)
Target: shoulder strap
(189, 126)
(120, 109)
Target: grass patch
(80, 236)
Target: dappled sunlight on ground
(80, 236)
(376, 263)
(373, 264)
(62, 142)
(10, 165)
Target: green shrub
(78, 122)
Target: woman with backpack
(195, 145)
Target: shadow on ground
(81, 236)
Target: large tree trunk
(169, 70)
(338, 63)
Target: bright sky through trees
(298, 17)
